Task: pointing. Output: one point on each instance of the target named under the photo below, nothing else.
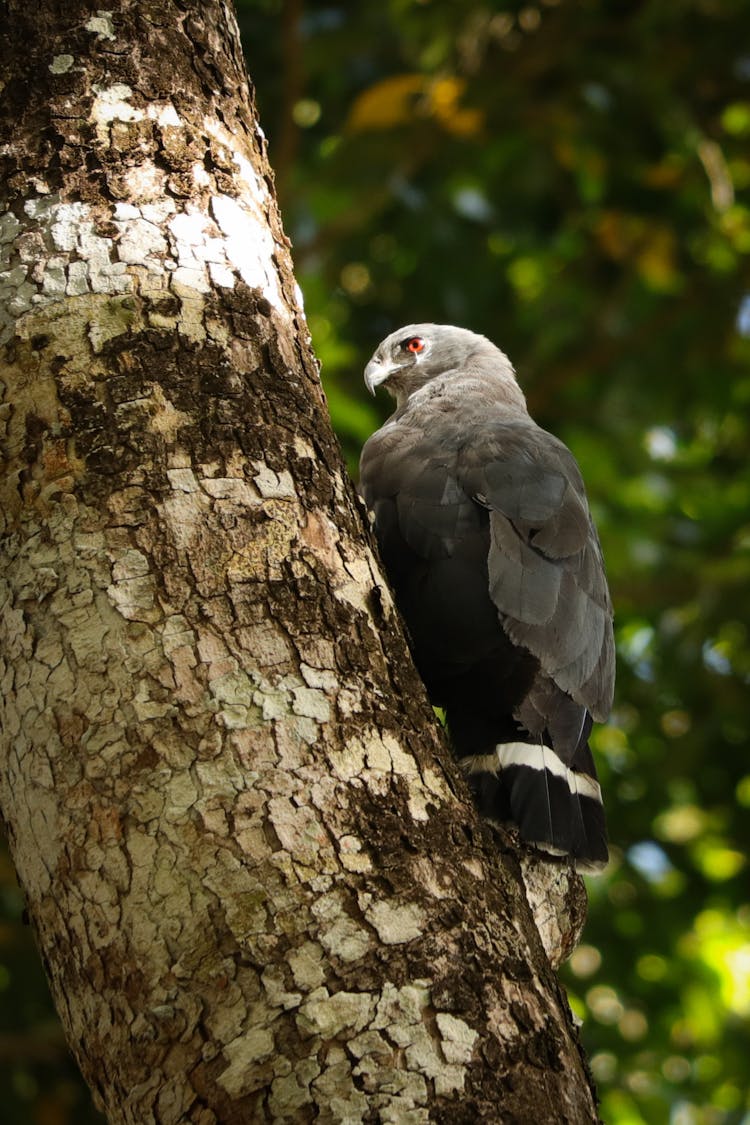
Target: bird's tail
(557, 808)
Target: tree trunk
(256, 882)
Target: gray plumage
(485, 532)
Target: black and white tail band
(556, 807)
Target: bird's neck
(497, 372)
(494, 382)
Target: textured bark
(257, 885)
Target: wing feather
(546, 573)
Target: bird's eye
(414, 344)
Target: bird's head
(417, 353)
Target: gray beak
(377, 373)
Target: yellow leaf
(656, 261)
(387, 103)
(650, 246)
(445, 94)
(407, 97)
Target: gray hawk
(486, 536)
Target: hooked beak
(377, 373)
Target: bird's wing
(546, 573)
(433, 539)
(404, 469)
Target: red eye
(415, 344)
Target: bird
(487, 540)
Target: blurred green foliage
(572, 178)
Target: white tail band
(536, 757)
